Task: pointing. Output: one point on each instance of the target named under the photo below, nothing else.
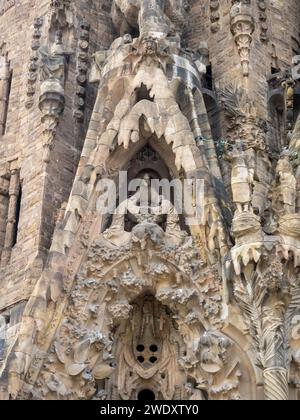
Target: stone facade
(98, 307)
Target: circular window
(153, 348)
(140, 348)
(153, 360)
(141, 359)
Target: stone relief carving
(262, 269)
(141, 301)
(82, 70)
(34, 62)
(115, 339)
(246, 133)
(262, 10)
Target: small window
(275, 70)
(209, 78)
(18, 211)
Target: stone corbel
(242, 27)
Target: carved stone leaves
(268, 295)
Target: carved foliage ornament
(116, 339)
(269, 297)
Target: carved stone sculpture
(285, 193)
(149, 205)
(52, 99)
(242, 27)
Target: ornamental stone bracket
(242, 27)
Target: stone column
(14, 190)
(152, 19)
(276, 384)
(4, 186)
(4, 91)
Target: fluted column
(4, 91)
(14, 190)
(276, 384)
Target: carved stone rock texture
(149, 300)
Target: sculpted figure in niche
(240, 180)
(213, 352)
(145, 206)
(285, 193)
(54, 60)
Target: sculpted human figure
(54, 60)
(286, 191)
(240, 180)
